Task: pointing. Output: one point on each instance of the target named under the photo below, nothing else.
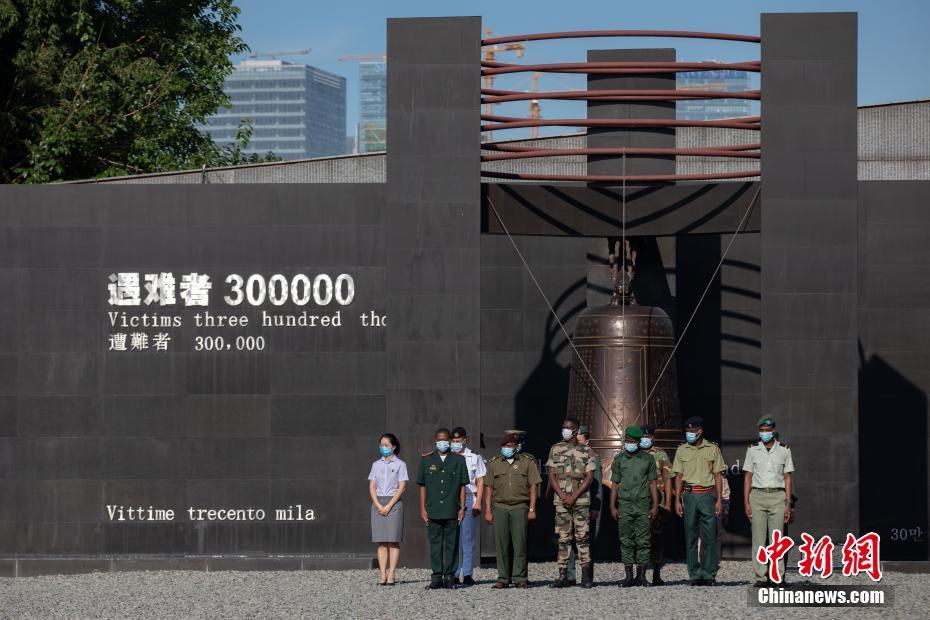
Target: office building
(297, 111)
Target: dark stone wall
(82, 427)
(894, 363)
(809, 271)
(432, 224)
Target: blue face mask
(631, 447)
(458, 447)
(386, 450)
(766, 436)
(508, 453)
(442, 446)
(691, 437)
(645, 442)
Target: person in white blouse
(387, 483)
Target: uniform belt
(768, 490)
(698, 489)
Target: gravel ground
(354, 594)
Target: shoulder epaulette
(784, 445)
(425, 454)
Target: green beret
(634, 432)
(766, 420)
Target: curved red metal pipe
(526, 176)
(746, 122)
(634, 151)
(515, 148)
(502, 96)
(635, 67)
(589, 34)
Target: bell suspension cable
(710, 282)
(603, 399)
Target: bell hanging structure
(623, 373)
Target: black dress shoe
(456, 581)
(709, 582)
(449, 584)
(434, 585)
(467, 580)
(695, 582)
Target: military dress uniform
(657, 529)
(697, 464)
(571, 463)
(767, 497)
(511, 481)
(633, 473)
(443, 480)
(476, 469)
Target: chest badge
(432, 468)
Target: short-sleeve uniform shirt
(476, 469)
(512, 479)
(633, 473)
(698, 464)
(388, 475)
(768, 467)
(571, 463)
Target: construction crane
(535, 111)
(274, 55)
(363, 58)
(490, 53)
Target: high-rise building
(712, 109)
(372, 101)
(297, 111)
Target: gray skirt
(389, 529)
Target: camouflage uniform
(571, 462)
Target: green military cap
(766, 420)
(583, 430)
(512, 431)
(635, 432)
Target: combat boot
(657, 577)
(562, 581)
(587, 576)
(629, 581)
(641, 576)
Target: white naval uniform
(476, 469)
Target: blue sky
(894, 41)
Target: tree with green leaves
(96, 88)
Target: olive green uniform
(443, 481)
(597, 496)
(571, 463)
(633, 474)
(767, 497)
(697, 466)
(511, 481)
(657, 533)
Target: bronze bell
(624, 347)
